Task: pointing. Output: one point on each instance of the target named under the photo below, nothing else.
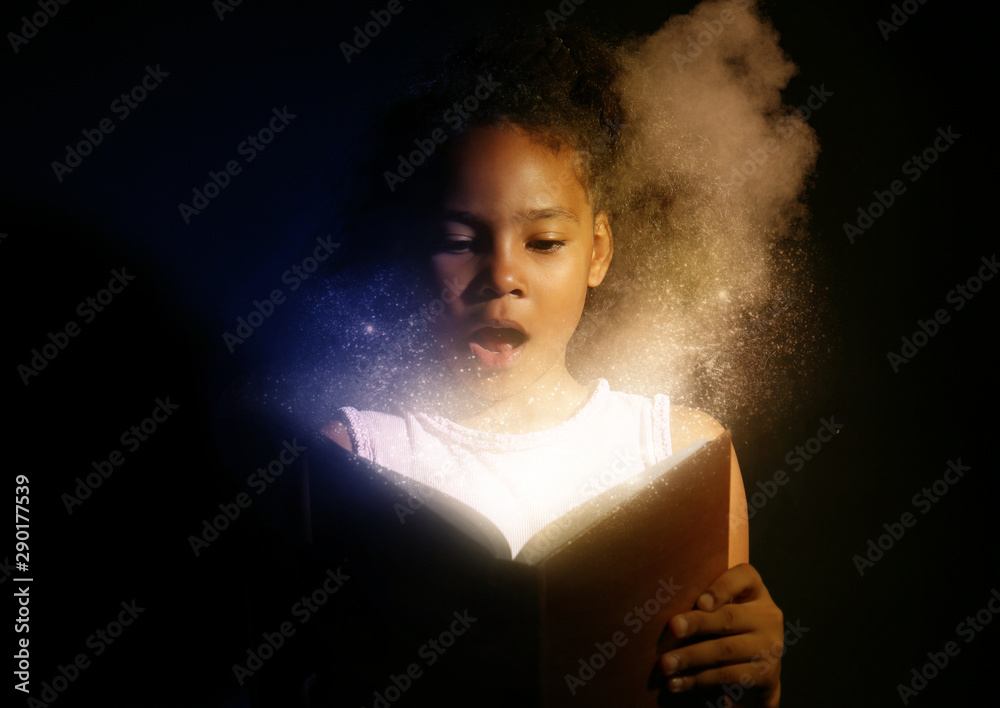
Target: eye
(455, 243)
(546, 245)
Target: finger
(737, 649)
(743, 675)
(739, 583)
(733, 618)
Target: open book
(576, 618)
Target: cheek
(574, 310)
(450, 273)
(448, 281)
(569, 301)
(451, 280)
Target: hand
(746, 644)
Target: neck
(552, 400)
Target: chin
(492, 386)
(498, 385)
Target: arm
(337, 432)
(688, 425)
(736, 609)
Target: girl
(510, 210)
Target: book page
(400, 498)
(566, 527)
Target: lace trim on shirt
(507, 442)
(361, 438)
(662, 445)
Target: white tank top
(523, 481)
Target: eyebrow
(551, 212)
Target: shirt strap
(662, 444)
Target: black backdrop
(219, 79)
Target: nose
(502, 272)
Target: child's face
(518, 243)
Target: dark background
(163, 335)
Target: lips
(498, 347)
(498, 339)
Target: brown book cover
(577, 618)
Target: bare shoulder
(337, 432)
(688, 425)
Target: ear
(600, 258)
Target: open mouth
(497, 347)
(498, 339)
